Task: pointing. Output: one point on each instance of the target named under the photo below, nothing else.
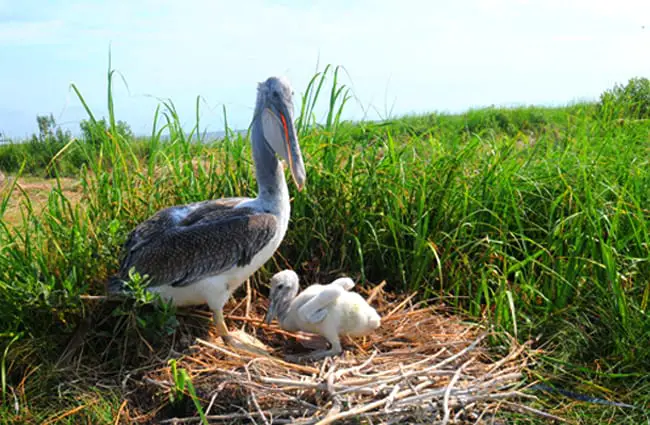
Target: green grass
(534, 218)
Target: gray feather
(182, 244)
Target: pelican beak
(293, 153)
(271, 312)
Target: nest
(422, 365)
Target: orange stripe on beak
(286, 140)
(286, 129)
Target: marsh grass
(534, 218)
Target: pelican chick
(327, 310)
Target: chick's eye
(280, 286)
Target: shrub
(92, 133)
(629, 101)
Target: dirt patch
(33, 191)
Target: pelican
(202, 252)
(328, 310)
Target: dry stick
(296, 367)
(65, 414)
(478, 420)
(452, 382)
(248, 415)
(536, 412)
(503, 378)
(160, 384)
(499, 396)
(432, 393)
(423, 396)
(259, 323)
(361, 409)
(400, 305)
(463, 409)
(96, 297)
(410, 313)
(257, 407)
(398, 396)
(119, 412)
(311, 421)
(356, 369)
(513, 354)
(216, 347)
(214, 397)
(436, 366)
(391, 397)
(284, 382)
(410, 366)
(506, 371)
(375, 291)
(238, 378)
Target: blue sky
(401, 57)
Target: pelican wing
(179, 245)
(315, 310)
(344, 282)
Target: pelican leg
(335, 350)
(222, 329)
(233, 341)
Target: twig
(391, 398)
(359, 410)
(247, 415)
(230, 416)
(160, 384)
(452, 382)
(216, 347)
(65, 414)
(258, 409)
(358, 368)
(430, 369)
(401, 305)
(498, 396)
(375, 291)
(512, 355)
(119, 412)
(535, 411)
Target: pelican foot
(245, 342)
(238, 339)
(312, 342)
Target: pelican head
(274, 108)
(284, 288)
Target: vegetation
(534, 218)
(627, 101)
(37, 155)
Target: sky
(399, 57)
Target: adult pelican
(202, 252)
